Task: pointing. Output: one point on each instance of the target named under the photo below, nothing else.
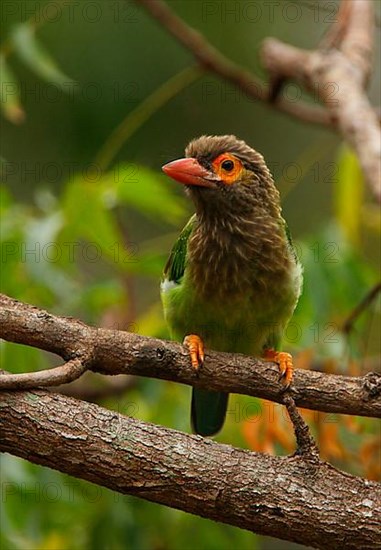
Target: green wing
(175, 266)
(208, 407)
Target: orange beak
(190, 172)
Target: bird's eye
(227, 165)
(228, 168)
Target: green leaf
(43, 262)
(5, 199)
(147, 191)
(36, 57)
(9, 94)
(336, 277)
(87, 216)
(348, 195)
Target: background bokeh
(95, 97)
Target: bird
(232, 279)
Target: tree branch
(210, 59)
(338, 75)
(63, 374)
(292, 498)
(305, 442)
(117, 352)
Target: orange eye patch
(227, 167)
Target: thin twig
(63, 374)
(305, 442)
(360, 308)
(136, 118)
(214, 61)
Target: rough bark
(292, 498)
(117, 352)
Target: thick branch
(306, 501)
(118, 352)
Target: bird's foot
(284, 361)
(196, 349)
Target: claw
(196, 350)
(285, 365)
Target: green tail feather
(208, 411)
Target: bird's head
(223, 171)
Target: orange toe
(196, 349)
(285, 364)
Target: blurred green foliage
(91, 241)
